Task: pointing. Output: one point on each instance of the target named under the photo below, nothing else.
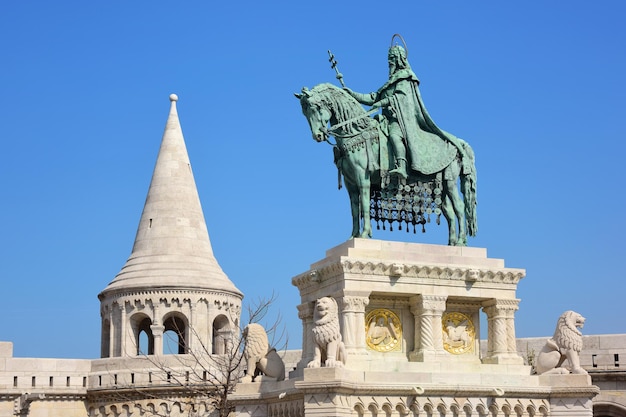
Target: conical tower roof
(172, 248)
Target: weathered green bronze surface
(398, 166)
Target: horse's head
(316, 111)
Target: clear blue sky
(537, 88)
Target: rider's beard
(392, 69)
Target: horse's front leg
(353, 193)
(364, 192)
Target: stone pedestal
(435, 292)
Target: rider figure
(399, 104)
(409, 123)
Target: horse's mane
(343, 105)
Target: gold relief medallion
(383, 330)
(458, 333)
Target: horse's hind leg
(452, 193)
(448, 213)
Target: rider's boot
(400, 168)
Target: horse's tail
(468, 186)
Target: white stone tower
(171, 285)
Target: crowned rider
(404, 111)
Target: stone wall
(42, 387)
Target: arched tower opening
(221, 334)
(176, 334)
(142, 333)
(105, 339)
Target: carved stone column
(192, 332)
(427, 311)
(157, 334)
(118, 336)
(510, 325)
(353, 323)
(501, 346)
(305, 313)
(127, 346)
(157, 329)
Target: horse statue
(362, 156)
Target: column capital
(427, 302)
(351, 303)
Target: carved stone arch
(177, 409)
(531, 410)
(140, 325)
(518, 410)
(415, 407)
(544, 411)
(165, 408)
(429, 408)
(506, 410)
(373, 409)
(222, 334)
(140, 409)
(468, 409)
(387, 408)
(176, 332)
(202, 409)
(442, 409)
(482, 411)
(94, 412)
(151, 408)
(402, 409)
(455, 409)
(125, 410)
(359, 408)
(494, 409)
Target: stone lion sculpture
(566, 343)
(329, 346)
(258, 355)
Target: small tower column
(157, 333)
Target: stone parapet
(344, 392)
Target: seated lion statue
(329, 346)
(259, 357)
(566, 343)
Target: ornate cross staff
(333, 65)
